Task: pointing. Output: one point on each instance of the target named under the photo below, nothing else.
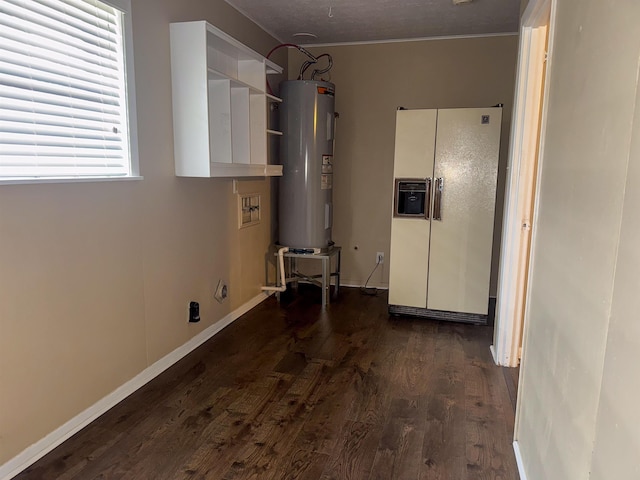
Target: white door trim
(519, 197)
(519, 461)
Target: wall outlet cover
(222, 292)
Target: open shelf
(220, 104)
(273, 98)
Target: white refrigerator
(445, 173)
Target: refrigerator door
(466, 159)
(409, 255)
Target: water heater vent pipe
(283, 282)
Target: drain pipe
(283, 282)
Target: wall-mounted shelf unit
(220, 104)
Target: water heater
(307, 119)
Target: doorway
(524, 159)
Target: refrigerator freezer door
(467, 150)
(409, 255)
(415, 145)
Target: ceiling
(347, 21)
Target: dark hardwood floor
(294, 392)
(511, 376)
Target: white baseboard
(516, 450)
(355, 284)
(492, 349)
(39, 449)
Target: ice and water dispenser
(411, 197)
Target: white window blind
(63, 107)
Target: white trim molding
(358, 284)
(39, 449)
(492, 349)
(405, 40)
(519, 462)
(519, 218)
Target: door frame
(525, 157)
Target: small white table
(292, 275)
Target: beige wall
(96, 277)
(371, 82)
(618, 428)
(578, 416)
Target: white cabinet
(442, 229)
(220, 104)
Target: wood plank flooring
(511, 376)
(295, 392)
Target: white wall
(583, 295)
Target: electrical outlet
(380, 257)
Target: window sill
(32, 181)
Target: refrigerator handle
(437, 199)
(427, 199)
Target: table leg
(278, 277)
(337, 288)
(326, 280)
(294, 273)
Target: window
(65, 109)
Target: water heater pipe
(283, 282)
